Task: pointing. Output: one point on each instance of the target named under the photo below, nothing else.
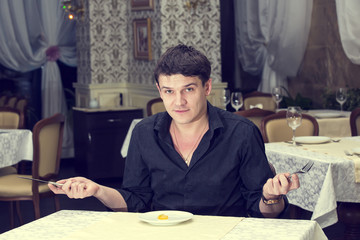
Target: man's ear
(208, 87)
(158, 88)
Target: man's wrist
(271, 201)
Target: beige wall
(325, 65)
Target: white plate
(174, 217)
(312, 139)
(328, 115)
(356, 150)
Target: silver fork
(305, 168)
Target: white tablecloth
(89, 225)
(332, 127)
(331, 179)
(15, 145)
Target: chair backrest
(11, 118)
(154, 106)
(274, 127)
(47, 140)
(355, 122)
(255, 115)
(11, 102)
(21, 104)
(3, 100)
(259, 98)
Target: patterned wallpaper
(103, 46)
(199, 28)
(107, 30)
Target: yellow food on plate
(163, 217)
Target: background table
(125, 146)
(333, 127)
(109, 225)
(15, 145)
(331, 179)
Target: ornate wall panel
(199, 28)
(106, 26)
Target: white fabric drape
(35, 33)
(349, 28)
(271, 38)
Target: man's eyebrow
(185, 86)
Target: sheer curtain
(34, 34)
(349, 27)
(271, 38)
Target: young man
(193, 157)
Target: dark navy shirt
(225, 177)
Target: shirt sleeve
(136, 189)
(255, 170)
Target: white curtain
(34, 34)
(349, 27)
(271, 37)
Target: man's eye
(189, 89)
(168, 91)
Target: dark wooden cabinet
(98, 138)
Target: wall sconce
(75, 8)
(193, 4)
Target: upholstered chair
(355, 122)
(274, 128)
(154, 106)
(259, 100)
(47, 143)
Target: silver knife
(53, 183)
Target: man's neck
(192, 128)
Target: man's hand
(78, 187)
(281, 184)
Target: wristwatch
(271, 201)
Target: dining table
(87, 225)
(15, 145)
(332, 123)
(334, 177)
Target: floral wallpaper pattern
(105, 38)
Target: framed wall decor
(142, 5)
(142, 39)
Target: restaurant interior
(86, 67)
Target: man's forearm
(111, 198)
(273, 210)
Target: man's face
(184, 97)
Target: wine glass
(226, 98)
(341, 97)
(277, 95)
(293, 117)
(236, 100)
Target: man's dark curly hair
(184, 60)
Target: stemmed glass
(236, 100)
(277, 95)
(226, 98)
(341, 97)
(293, 117)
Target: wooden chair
(255, 115)
(259, 100)
(3, 100)
(355, 122)
(47, 140)
(274, 128)
(154, 106)
(11, 118)
(11, 102)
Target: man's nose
(180, 100)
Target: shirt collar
(163, 122)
